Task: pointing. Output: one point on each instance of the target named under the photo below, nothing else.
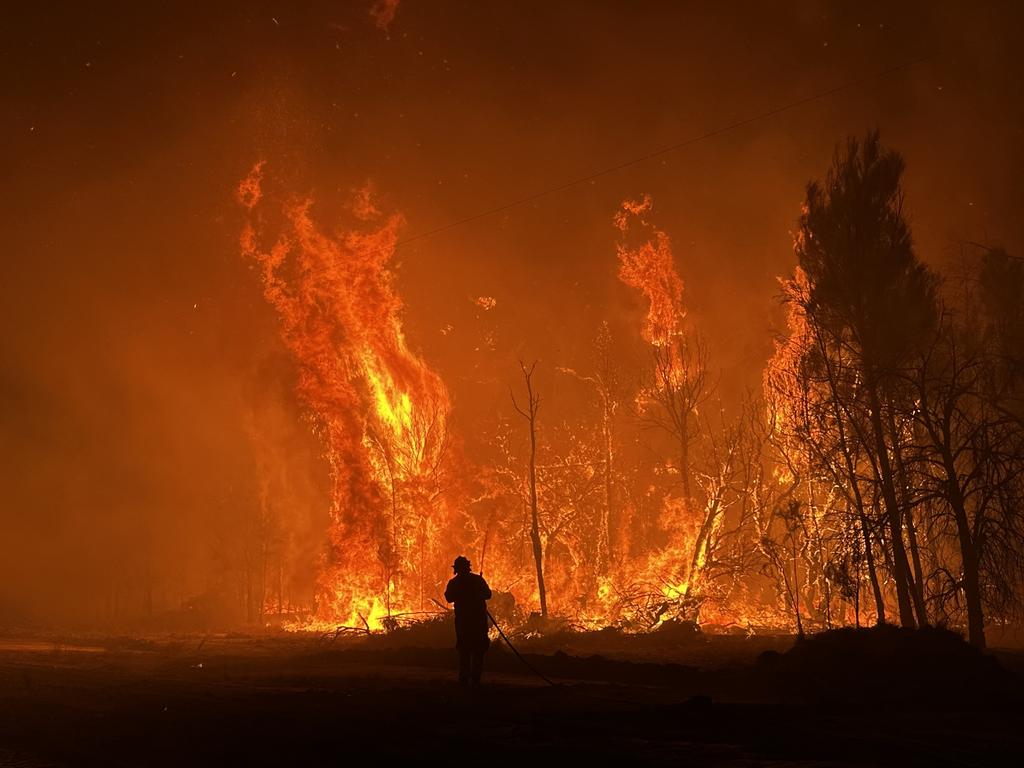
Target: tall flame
(783, 371)
(648, 266)
(380, 409)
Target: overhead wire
(850, 84)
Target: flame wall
(381, 411)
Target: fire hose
(519, 656)
(542, 676)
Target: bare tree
(678, 388)
(970, 454)
(530, 414)
(605, 382)
(820, 435)
(782, 556)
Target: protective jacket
(469, 592)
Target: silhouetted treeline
(877, 478)
(896, 406)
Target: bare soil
(297, 701)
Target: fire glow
(654, 508)
(381, 411)
(383, 415)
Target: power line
(666, 150)
(990, 249)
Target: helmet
(461, 564)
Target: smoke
(135, 442)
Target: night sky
(136, 348)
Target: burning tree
(382, 413)
(885, 450)
(672, 398)
(816, 421)
(878, 395)
(529, 412)
(605, 383)
(870, 299)
(678, 385)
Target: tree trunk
(972, 592)
(917, 582)
(917, 585)
(796, 590)
(534, 519)
(876, 588)
(605, 542)
(968, 553)
(858, 499)
(684, 466)
(530, 414)
(901, 567)
(701, 545)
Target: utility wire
(666, 150)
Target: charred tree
(530, 414)
(605, 382)
(971, 449)
(852, 478)
(679, 388)
(868, 290)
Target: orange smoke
(382, 413)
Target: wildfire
(383, 417)
(782, 373)
(649, 268)
(647, 264)
(382, 412)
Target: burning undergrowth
(585, 523)
(647, 503)
(380, 410)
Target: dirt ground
(291, 701)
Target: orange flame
(649, 268)
(381, 411)
(782, 374)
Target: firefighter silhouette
(470, 594)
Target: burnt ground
(700, 701)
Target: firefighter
(469, 592)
